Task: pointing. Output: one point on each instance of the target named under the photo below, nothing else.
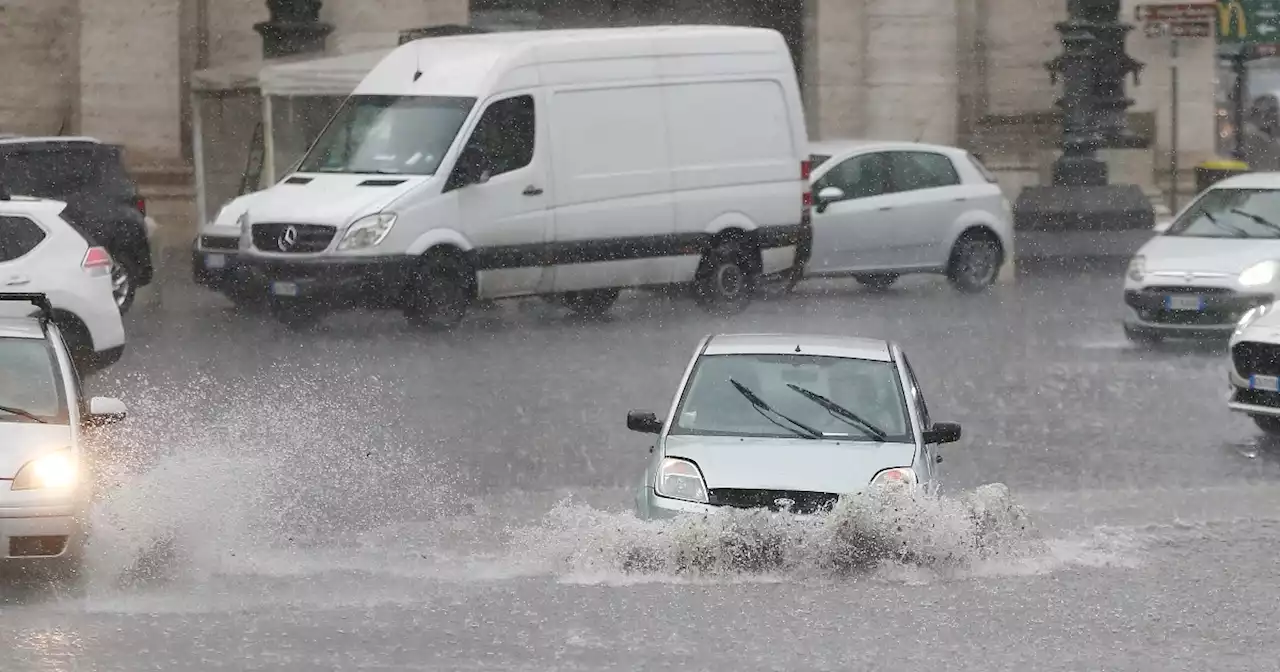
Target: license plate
(1268, 383)
(1184, 303)
(215, 260)
(284, 289)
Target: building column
(834, 67)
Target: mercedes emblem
(287, 239)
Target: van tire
(590, 303)
(726, 278)
(440, 291)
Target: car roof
(849, 347)
(1251, 181)
(21, 327)
(836, 146)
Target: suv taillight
(806, 168)
(142, 206)
(96, 260)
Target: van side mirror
(942, 432)
(472, 167)
(828, 195)
(643, 422)
(105, 411)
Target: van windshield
(397, 135)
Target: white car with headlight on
(45, 488)
(1255, 368)
(1217, 260)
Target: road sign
(1187, 19)
(1248, 21)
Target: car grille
(1184, 289)
(1256, 359)
(805, 502)
(1206, 318)
(219, 243)
(310, 237)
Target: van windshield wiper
(841, 412)
(764, 409)
(23, 414)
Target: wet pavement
(365, 496)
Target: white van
(569, 164)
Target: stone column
(912, 71)
(835, 67)
(38, 50)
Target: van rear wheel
(439, 292)
(726, 278)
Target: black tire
(590, 303)
(296, 315)
(1140, 337)
(124, 282)
(877, 282)
(975, 262)
(1268, 424)
(726, 278)
(440, 291)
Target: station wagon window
(29, 382)
(858, 177)
(922, 170)
(506, 132)
(18, 237)
(712, 404)
(393, 135)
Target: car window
(712, 405)
(29, 381)
(506, 133)
(18, 237)
(858, 177)
(922, 170)
(1231, 213)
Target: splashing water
(861, 533)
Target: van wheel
(975, 261)
(295, 315)
(439, 292)
(590, 303)
(726, 278)
(877, 282)
(1268, 424)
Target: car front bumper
(214, 260)
(1217, 315)
(37, 533)
(327, 280)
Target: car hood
(333, 199)
(789, 464)
(21, 442)
(1207, 255)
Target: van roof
(467, 65)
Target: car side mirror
(105, 411)
(828, 195)
(643, 422)
(942, 432)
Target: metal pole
(1173, 125)
(1237, 112)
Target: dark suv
(102, 200)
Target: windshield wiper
(23, 414)
(762, 407)
(1258, 219)
(841, 412)
(1229, 228)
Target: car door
(849, 231)
(507, 214)
(932, 197)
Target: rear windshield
(397, 135)
(982, 168)
(29, 382)
(55, 171)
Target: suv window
(859, 176)
(50, 173)
(18, 236)
(922, 170)
(506, 133)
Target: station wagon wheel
(877, 282)
(590, 303)
(439, 292)
(726, 278)
(975, 262)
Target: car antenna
(797, 347)
(417, 64)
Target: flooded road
(363, 496)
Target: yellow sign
(1228, 10)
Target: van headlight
(1261, 273)
(54, 471)
(368, 231)
(1137, 268)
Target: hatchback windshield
(388, 135)
(29, 382)
(1231, 213)
(871, 390)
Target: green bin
(1209, 173)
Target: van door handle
(532, 191)
(15, 280)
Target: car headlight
(903, 475)
(1252, 315)
(681, 479)
(49, 472)
(368, 231)
(1137, 268)
(1261, 273)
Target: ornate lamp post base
(1079, 214)
(294, 27)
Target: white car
(42, 253)
(885, 209)
(45, 488)
(1217, 260)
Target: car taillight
(806, 167)
(142, 206)
(97, 260)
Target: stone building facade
(966, 72)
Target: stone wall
(41, 61)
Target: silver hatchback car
(788, 423)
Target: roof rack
(40, 301)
